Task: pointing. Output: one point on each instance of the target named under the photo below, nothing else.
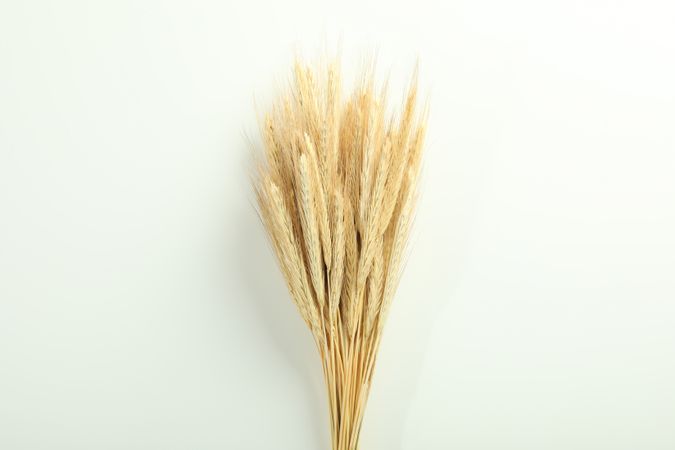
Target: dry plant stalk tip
(336, 190)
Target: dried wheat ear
(336, 189)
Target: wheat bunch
(336, 190)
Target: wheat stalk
(336, 190)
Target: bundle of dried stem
(336, 190)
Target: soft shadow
(269, 298)
(397, 378)
(410, 326)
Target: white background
(140, 305)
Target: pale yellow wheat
(336, 189)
